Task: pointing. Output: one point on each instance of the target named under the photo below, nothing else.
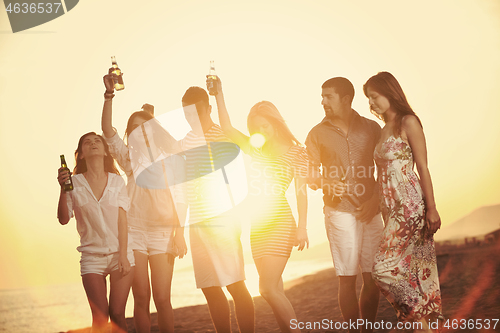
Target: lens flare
(257, 140)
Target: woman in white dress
(99, 202)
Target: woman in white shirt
(155, 184)
(99, 203)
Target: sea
(59, 308)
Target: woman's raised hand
(216, 82)
(109, 81)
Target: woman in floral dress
(405, 267)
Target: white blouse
(97, 220)
(152, 206)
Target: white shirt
(97, 220)
(151, 207)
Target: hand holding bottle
(109, 81)
(63, 178)
(118, 78)
(214, 85)
(212, 80)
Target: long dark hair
(386, 85)
(81, 164)
(141, 114)
(160, 136)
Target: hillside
(481, 221)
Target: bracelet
(108, 96)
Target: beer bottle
(211, 78)
(119, 80)
(68, 185)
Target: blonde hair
(268, 111)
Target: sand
(470, 287)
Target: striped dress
(273, 225)
(214, 230)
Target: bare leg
(219, 309)
(368, 300)
(270, 269)
(347, 299)
(243, 305)
(142, 293)
(118, 294)
(162, 266)
(95, 288)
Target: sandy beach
(470, 286)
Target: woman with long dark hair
(274, 232)
(155, 184)
(98, 202)
(405, 267)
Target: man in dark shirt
(340, 150)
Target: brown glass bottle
(119, 80)
(68, 185)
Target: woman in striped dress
(274, 164)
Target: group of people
(133, 232)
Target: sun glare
(257, 140)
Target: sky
(444, 54)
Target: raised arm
(415, 135)
(106, 120)
(232, 133)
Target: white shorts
(352, 243)
(102, 264)
(152, 242)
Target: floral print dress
(405, 267)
